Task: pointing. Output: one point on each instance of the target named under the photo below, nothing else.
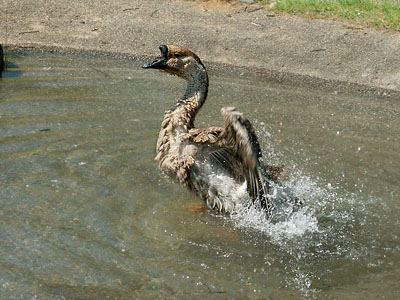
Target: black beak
(159, 62)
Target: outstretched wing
(240, 138)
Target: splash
(295, 225)
(318, 199)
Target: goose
(217, 162)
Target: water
(85, 213)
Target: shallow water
(85, 213)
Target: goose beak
(160, 62)
(157, 63)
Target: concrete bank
(239, 35)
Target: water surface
(85, 213)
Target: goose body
(218, 164)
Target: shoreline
(298, 80)
(317, 53)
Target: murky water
(85, 213)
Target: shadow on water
(2, 63)
(8, 68)
(11, 71)
(84, 212)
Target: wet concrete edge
(298, 80)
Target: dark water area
(85, 213)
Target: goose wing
(203, 136)
(241, 145)
(236, 150)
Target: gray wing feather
(241, 138)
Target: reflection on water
(85, 214)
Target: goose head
(176, 60)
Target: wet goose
(215, 163)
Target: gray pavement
(238, 35)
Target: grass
(382, 14)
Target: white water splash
(296, 225)
(303, 221)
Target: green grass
(383, 14)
